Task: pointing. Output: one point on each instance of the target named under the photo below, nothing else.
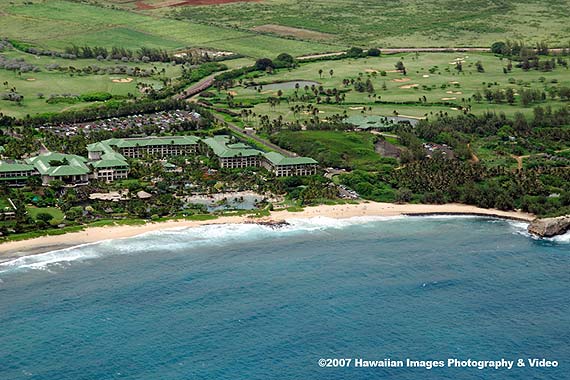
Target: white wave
(520, 228)
(179, 238)
(562, 238)
(43, 260)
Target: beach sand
(13, 249)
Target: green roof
(98, 147)
(75, 164)
(221, 148)
(109, 163)
(278, 159)
(153, 140)
(109, 158)
(15, 166)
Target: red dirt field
(142, 5)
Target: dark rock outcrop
(270, 223)
(549, 227)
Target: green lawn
(55, 212)
(57, 24)
(331, 148)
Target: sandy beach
(10, 250)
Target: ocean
(251, 302)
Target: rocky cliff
(550, 226)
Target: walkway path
(198, 87)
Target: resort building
(240, 156)
(16, 172)
(69, 168)
(232, 155)
(283, 166)
(107, 164)
(106, 160)
(155, 146)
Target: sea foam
(180, 238)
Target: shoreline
(14, 249)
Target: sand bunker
(454, 92)
(394, 71)
(356, 108)
(232, 93)
(122, 80)
(454, 82)
(410, 85)
(31, 79)
(425, 76)
(448, 98)
(371, 71)
(400, 80)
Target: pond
(289, 85)
(380, 122)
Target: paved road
(256, 138)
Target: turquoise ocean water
(249, 302)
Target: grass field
(57, 24)
(410, 23)
(442, 84)
(56, 213)
(54, 82)
(332, 148)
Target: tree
(510, 94)
(354, 52)
(374, 52)
(263, 64)
(499, 48)
(403, 195)
(331, 72)
(479, 67)
(286, 60)
(320, 73)
(44, 217)
(564, 93)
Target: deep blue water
(247, 302)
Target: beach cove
(13, 249)
(248, 300)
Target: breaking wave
(183, 238)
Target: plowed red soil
(174, 3)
